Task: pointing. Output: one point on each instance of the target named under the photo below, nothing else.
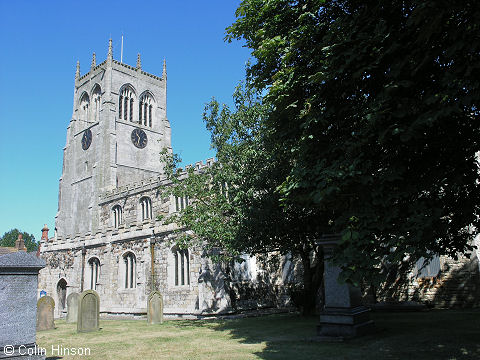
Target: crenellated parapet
(109, 234)
(135, 69)
(150, 183)
(196, 166)
(100, 66)
(134, 188)
(109, 62)
(93, 71)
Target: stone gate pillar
(18, 305)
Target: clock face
(86, 139)
(139, 138)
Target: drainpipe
(84, 252)
(152, 259)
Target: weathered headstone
(155, 308)
(72, 307)
(88, 311)
(45, 308)
(18, 305)
(343, 316)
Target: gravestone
(72, 307)
(18, 305)
(343, 316)
(45, 308)
(155, 308)
(88, 311)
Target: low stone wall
(457, 285)
(248, 295)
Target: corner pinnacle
(94, 61)
(110, 50)
(139, 62)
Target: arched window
(181, 203)
(145, 109)
(96, 98)
(130, 262)
(182, 267)
(126, 102)
(84, 107)
(146, 205)
(94, 267)
(62, 293)
(117, 215)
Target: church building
(108, 236)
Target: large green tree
(378, 103)
(9, 238)
(235, 208)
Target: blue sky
(40, 44)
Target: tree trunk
(312, 280)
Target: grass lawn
(437, 334)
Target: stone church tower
(118, 128)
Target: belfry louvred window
(96, 98)
(150, 116)
(120, 107)
(84, 108)
(126, 103)
(145, 110)
(145, 116)
(131, 109)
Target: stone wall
(115, 298)
(263, 281)
(457, 284)
(129, 200)
(213, 288)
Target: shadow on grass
(439, 334)
(188, 323)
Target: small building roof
(7, 250)
(20, 262)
